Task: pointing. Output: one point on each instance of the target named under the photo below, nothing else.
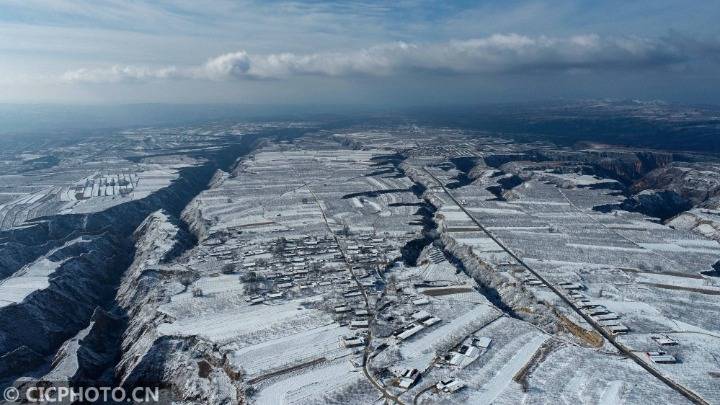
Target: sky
(396, 52)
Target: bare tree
(279, 245)
(345, 230)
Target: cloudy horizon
(400, 52)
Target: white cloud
(229, 65)
(500, 53)
(116, 74)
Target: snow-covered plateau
(298, 263)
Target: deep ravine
(77, 314)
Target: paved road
(686, 392)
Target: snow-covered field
(310, 386)
(370, 265)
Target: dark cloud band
(495, 54)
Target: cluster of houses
(367, 249)
(353, 314)
(106, 185)
(468, 351)
(407, 378)
(608, 319)
(530, 280)
(449, 385)
(219, 251)
(453, 150)
(418, 321)
(599, 313)
(354, 341)
(659, 356)
(283, 268)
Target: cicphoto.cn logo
(50, 393)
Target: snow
(325, 341)
(440, 272)
(672, 247)
(481, 244)
(291, 189)
(248, 324)
(671, 280)
(15, 288)
(417, 350)
(496, 211)
(31, 278)
(531, 202)
(612, 394)
(212, 286)
(503, 378)
(308, 386)
(601, 247)
(698, 242)
(375, 206)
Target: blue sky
(395, 52)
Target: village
(441, 310)
(391, 265)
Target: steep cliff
(695, 184)
(148, 283)
(189, 368)
(57, 295)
